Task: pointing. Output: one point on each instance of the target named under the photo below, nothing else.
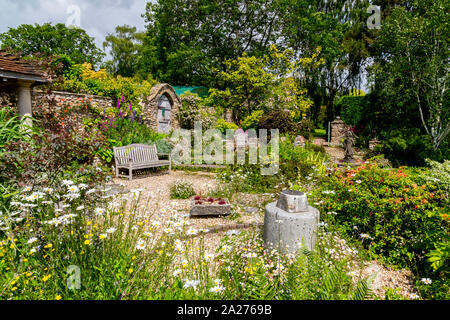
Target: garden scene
(315, 139)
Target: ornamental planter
(210, 207)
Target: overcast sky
(97, 17)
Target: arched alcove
(161, 108)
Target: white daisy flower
(192, 232)
(156, 224)
(99, 211)
(168, 230)
(232, 232)
(191, 284)
(111, 230)
(217, 289)
(32, 240)
(426, 280)
(67, 182)
(209, 256)
(413, 296)
(73, 189)
(83, 186)
(140, 244)
(176, 272)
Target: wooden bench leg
(130, 176)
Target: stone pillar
(24, 100)
(337, 131)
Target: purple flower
(118, 104)
(121, 114)
(123, 97)
(131, 106)
(132, 116)
(140, 118)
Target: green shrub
(305, 128)
(181, 190)
(411, 147)
(252, 121)
(352, 109)
(189, 112)
(278, 119)
(223, 126)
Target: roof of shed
(12, 66)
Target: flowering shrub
(83, 79)
(394, 212)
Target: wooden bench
(138, 156)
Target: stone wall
(338, 128)
(62, 99)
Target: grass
(320, 133)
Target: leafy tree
(125, 47)
(339, 28)
(260, 83)
(187, 39)
(412, 67)
(50, 39)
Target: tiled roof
(13, 63)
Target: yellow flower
(46, 278)
(87, 242)
(133, 258)
(58, 297)
(14, 289)
(130, 270)
(102, 236)
(49, 245)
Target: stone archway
(161, 108)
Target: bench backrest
(138, 153)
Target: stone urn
(290, 223)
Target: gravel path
(155, 200)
